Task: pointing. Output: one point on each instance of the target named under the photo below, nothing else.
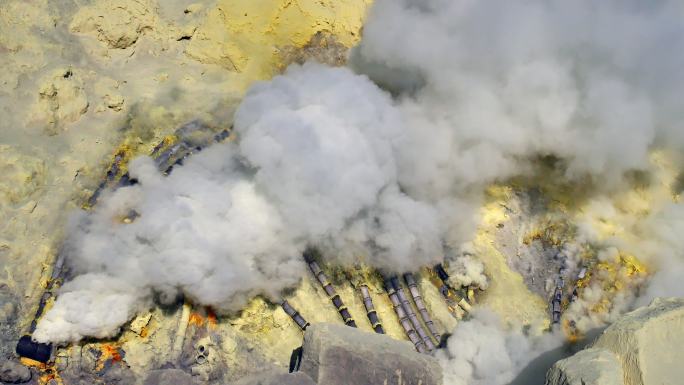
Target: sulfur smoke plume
(487, 87)
(483, 352)
(471, 92)
(314, 164)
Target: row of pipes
(414, 325)
(407, 317)
(165, 160)
(166, 157)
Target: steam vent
(341, 192)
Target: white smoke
(481, 351)
(324, 146)
(467, 270)
(326, 158)
(594, 84)
(647, 225)
(92, 304)
(486, 87)
(314, 164)
(663, 243)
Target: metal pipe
(411, 314)
(329, 289)
(557, 297)
(448, 292)
(441, 273)
(418, 300)
(556, 305)
(370, 310)
(294, 314)
(403, 318)
(178, 152)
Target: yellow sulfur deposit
(507, 293)
(150, 66)
(144, 68)
(248, 36)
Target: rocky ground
(84, 80)
(643, 347)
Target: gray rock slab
(169, 377)
(588, 367)
(341, 355)
(649, 342)
(643, 347)
(276, 377)
(12, 372)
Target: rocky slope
(334, 354)
(83, 80)
(644, 347)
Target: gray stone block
(276, 377)
(341, 355)
(649, 343)
(169, 377)
(643, 347)
(12, 372)
(588, 367)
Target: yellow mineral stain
(246, 36)
(47, 374)
(109, 352)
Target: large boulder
(341, 355)
(588, 367)
(649, 342)
(648, 345)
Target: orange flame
(196, 319)
(212, 320)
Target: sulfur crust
(507, 294)
(139, 81)
(246, 36)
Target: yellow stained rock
(62, 99)
(22, 176)
(136, 73)
(116, 23)
(246, 36)
(507, 294)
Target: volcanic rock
(12, 372)
(647, 344)
(276, 377)
(169, 377)
(588, 367)
(337, 354)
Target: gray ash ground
(540, 262)
(9, 332)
